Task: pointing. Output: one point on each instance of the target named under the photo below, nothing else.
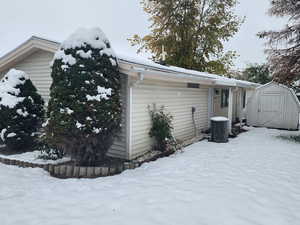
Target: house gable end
(26, 49)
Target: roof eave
(133, 70)
(37, 43)
(162, 76)
(28, 47)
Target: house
(274, 105)
(144, 83)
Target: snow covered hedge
(21, 110)
(84, 110)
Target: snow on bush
(84, 111)
(21, 110)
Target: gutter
(155, 73)
(169, 71)
(131, 69)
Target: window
(193, 85)
(244, 99)
(224, 98)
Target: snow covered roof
(146, 65)
(130, 63)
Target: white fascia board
(244, 85)
(163, 76)
(170, 76)
(166, 69)
(225, 83)
(247, 84)
(46, 46)
(235, 83)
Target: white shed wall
(273, 106)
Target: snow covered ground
(253, 179)
(32, 157)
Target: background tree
(21, 111)
(192, 33)
(284, 51)
(257, 73)
(84, 110)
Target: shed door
(270, 109)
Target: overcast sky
(119, 19)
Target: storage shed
(275, 106)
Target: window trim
(224, 98)
(244, 99)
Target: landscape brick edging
(69, 171)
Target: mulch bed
(5, 151)
(160, 155)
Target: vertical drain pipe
(194, 122)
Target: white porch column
(230, 108)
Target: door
(270, 109)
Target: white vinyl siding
(249, 93)
(119, 147)
(178, 100)
(217, 109)
(2, 74)
(37, 66)
(238, 112)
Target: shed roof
(135, 64)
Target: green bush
(293, 138)
(84, 112)
(21, 111)
(161, 130)
(47, 151)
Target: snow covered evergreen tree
(284, 52)
(84, 110)
(21, 111)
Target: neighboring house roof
(135, 66)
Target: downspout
(210, 105)
(230, 106)
(194, 121)
(139, 80)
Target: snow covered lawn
(253, 179)
(32, 157)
